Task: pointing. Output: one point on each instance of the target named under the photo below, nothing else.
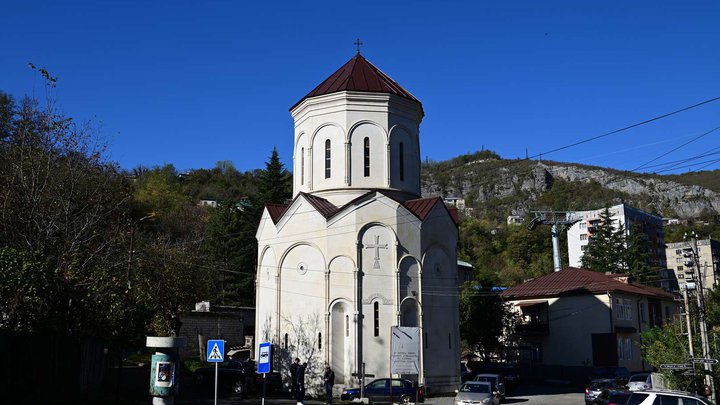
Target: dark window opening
(319, 340)
(327, 159)
(376, 308)
(366, 156)
(286, 340)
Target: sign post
(676, 366)
(216, 354)
(703, 361)
(264, 363)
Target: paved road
(524, 395)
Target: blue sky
(194, 82)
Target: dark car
(239, 377)
(612, 397)
(596, 387)
(232, 376)
(621, 374)
(507, 370)
(403, 391)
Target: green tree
(487, 323)
(274, 185)
(667, 345)
(605, 250)
(636, 256)
(232, 249)
(62, 210)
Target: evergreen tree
(636, 255)
(605, 250)
(274, 186)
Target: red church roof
(421, 207)
(358, 75)
(276, 211)
(574, 281)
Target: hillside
(496, 188)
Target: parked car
(612, 397)
(621, 374)
(403, 391)
(232, 376)
(239, 377)
(495, 379)
(639, 382)
(652, 396)
(477, 392)
(597, 386)
(507, 370)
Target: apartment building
(623, 216)
(708, 254)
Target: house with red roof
(575, 319)
(358, 250)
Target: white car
(651, 397)
(477, 393)
(639, 382)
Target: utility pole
(703, 317)
(688, 321)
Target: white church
(358, 250)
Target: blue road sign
(264, 358)
(215, 351)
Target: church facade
(357, 250)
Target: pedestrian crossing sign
(215, 351)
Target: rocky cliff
(519, 185)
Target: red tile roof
(574, 281)
(358, 74)
(421, 207)
(324, 207)
(276, 211)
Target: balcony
(532, 329)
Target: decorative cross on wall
(377, 246)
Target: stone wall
(198, 327)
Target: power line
(627, 127)
(676, 148)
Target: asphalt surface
(525, 394)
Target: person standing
(301, 383)
(293, 376)
(329, 378)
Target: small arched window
(376, 317)
(366, 156)
(347, 325)
(286, 340)
(302, 166)
(319, 340)
(327, 159)
(402, 161)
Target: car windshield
(598, 385)
(486, 379)
(639, 377)
(475, 388)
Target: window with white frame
(583, 236)
(623, 309)
(625, 350)
(583, 225)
